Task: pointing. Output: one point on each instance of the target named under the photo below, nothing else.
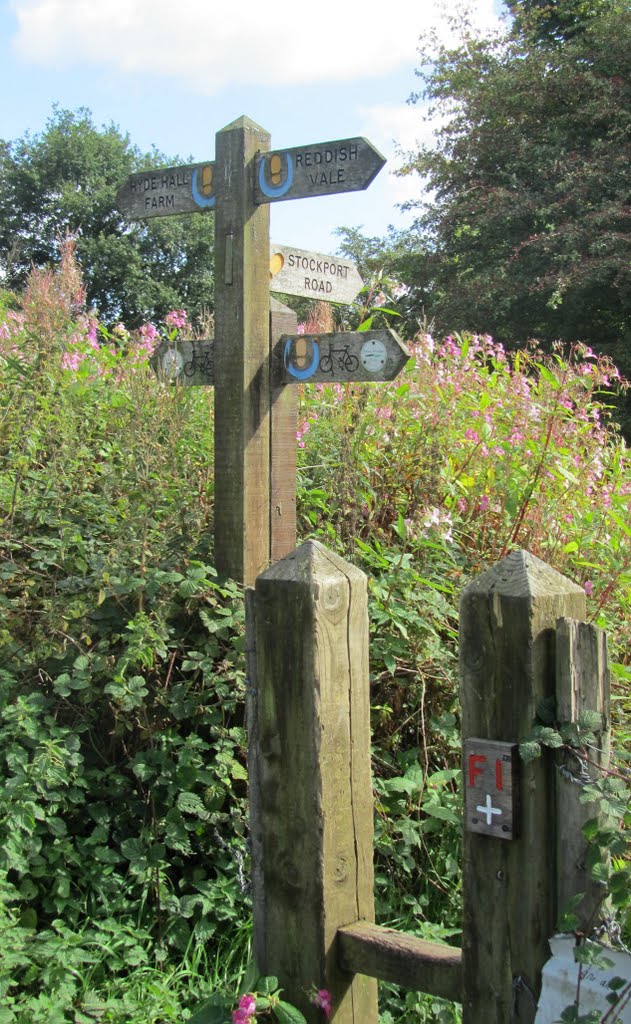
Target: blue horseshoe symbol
(301, 374)
(206, 202)
(280, 190)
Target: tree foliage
(65, 180)
(525, 225)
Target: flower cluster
(245, 1010)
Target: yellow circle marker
(276, 264)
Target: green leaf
(267, 985)
(548, 736)
(286, 1014)
(529, 750)
(390, 662)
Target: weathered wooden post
(242, 402)
(312, 825)
(582, 685)
(283, 426)
(507, 658)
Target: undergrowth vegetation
(123, 836)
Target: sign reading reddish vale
(490, 792)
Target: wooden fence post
(283, 426)
(582, 685)
(312, 824)
(507, 664)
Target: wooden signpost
(255, 353)
(347, 356)
(168, 191)
(313, 275)
(319, 169)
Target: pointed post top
(312, 560)
(521, 574)
(242, 122)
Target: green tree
(525, 225)
(65, 180)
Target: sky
(171, 73)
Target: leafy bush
(122, 742)
(123, 852)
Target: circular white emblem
(373, 356)
(172, 363)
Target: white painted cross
(488, 809)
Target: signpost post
(256, 352)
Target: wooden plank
(242, 402)
(344, 356)
(317, 169)
(168, 191)
(367, 948)
(313, 766)
(283, 427)
(188, 363)
(507, 665)
(313, 275)
(582, 685)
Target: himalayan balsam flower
(322, 998)
(176, 318)
(589, 588)
(245, 1011)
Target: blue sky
(173, 72)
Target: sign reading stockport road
(342, 357)
(319, 169)
(313, 275)
(167, 191)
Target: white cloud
(397, 129)
(211, 45)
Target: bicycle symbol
(339, 358)
(203, 363)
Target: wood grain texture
(582, 684)
(242, 401)
(315, 824)
(312, 274)
(187, 363)
(507, 666)
(283, 427)
(367, 948)
(167, 191)
(343, 356)
(317, 169)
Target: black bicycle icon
(203, 363)
(339, 358)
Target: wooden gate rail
(311, 794)
(389, 955)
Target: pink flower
(589, 588)
(176, 318)
(322, 998)
(248, 1003)
(484, 503)
(245, 1011)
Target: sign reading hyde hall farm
(320, 169)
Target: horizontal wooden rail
(365, 948)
